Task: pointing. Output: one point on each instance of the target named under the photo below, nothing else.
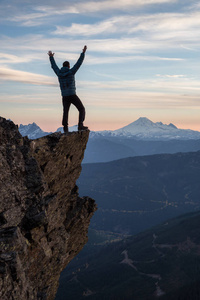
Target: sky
(142, 61)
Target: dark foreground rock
(43, 221)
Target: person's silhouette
(66, 80)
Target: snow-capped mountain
(145, 129)
(33, 131)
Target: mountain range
(142, 129)
(145, 129)
(142, 137)
(33, 131)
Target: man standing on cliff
(66, 79)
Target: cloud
(170, 76)
(119, 59)
(25, 56)
(14, 59)
(193, 6)
(96, 6)
(141, 99)
(30, 19)
(120, 34)
(188, 48)
(25, 77)
(34, 15)
(160, 26)
(167, 85)
(96, 47)
(87, 29)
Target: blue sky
(142, 61)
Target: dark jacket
(66, 76)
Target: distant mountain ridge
(142, 137)
(33, 131)
(142, 129)
(145, 129)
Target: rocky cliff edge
(43, 221)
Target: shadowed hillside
(136, 193)
(161, 263)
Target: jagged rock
(43, 221)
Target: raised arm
(53, 63)
(84, 49)
(79, 61)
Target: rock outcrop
(43, 221)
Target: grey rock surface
(43, 221)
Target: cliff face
(43, 221)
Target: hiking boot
(65, 128)
(81, 127)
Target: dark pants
(67, 101)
